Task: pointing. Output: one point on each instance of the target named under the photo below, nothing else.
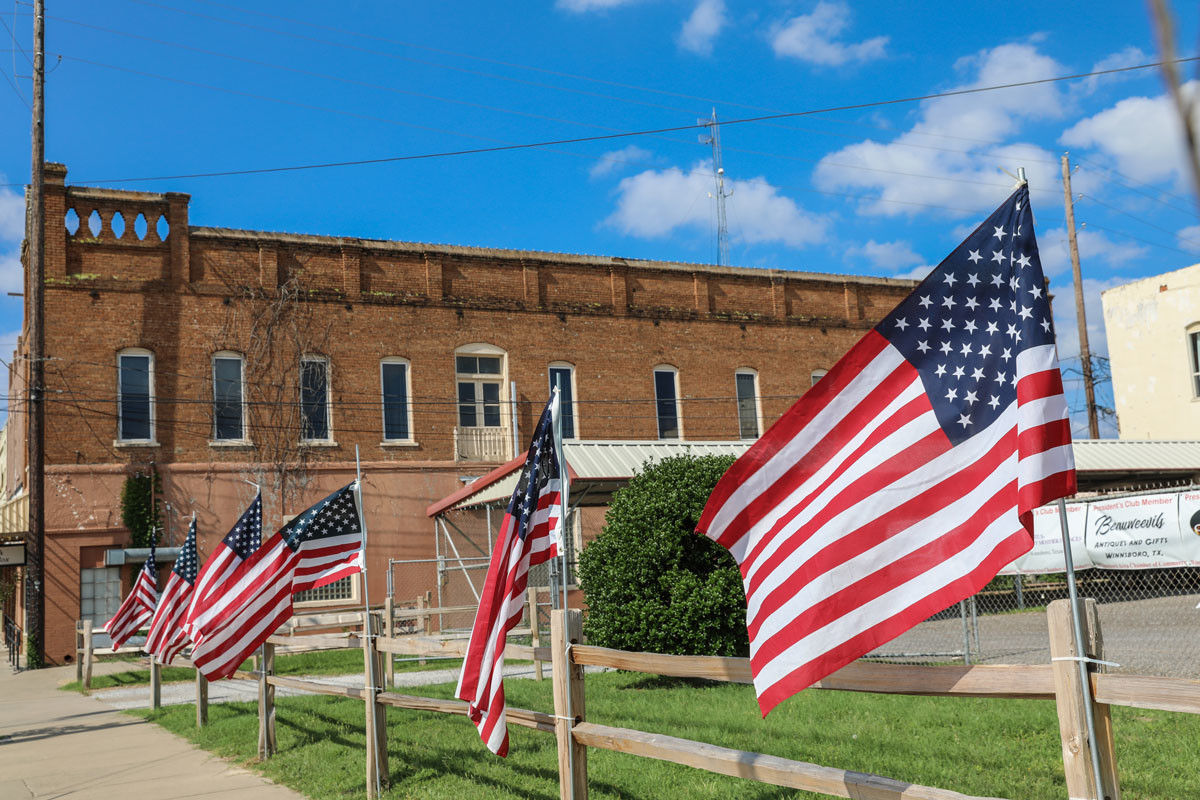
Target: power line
(630, 134)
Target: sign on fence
(1047, 553)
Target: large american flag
(167, 636)
(528, 536)
(317, 547)
(242, 540)
(138, 606)
(907, 477)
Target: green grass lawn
(999, 748)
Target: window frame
(353, 600)
(408, 405)
(757, 396)
(328, 438)
(674, 371)
(152, 440)
(504, 402)
(574, 406)
(816, 376)
(244, 439)
(1193, 347)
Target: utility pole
(1085, 354)
(35, 585)
(714, 138)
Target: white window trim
(567, 365)
(354, 599)
(678, 400)
(328, 440)
(816, 375)
(153, 440)
(482, 349)
(410, 440)
(1191, 331)
(245, 440)
(758, 417)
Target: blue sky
(147, 88)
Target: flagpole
(362, 524)
(564, 489)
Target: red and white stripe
(209, 587)
(481, 683)
(135, 611)
(258, 596)
(167, 638)
(854, 518)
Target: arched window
(748, 405)
(562, 375)
(666, 402)
(314, 399)
(229, 400)
(395, 377)
(135, 395)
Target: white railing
(14, 514)
(482, 444)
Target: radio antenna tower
(713, 137)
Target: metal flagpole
(564, 489)
(362, 524)
(1081, 656)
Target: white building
(1154, 347)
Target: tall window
(1194, 348)
(562, 375)
(228, 399)
(135, 395)
(666, 401)
(314, 399)
(480, 378)
(397, 425)
(746, 382)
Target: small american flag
(138, 606)
(167, 636)
(528, 536)
(242, 540)
(318, 547)
(907, 477)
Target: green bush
(652, 583)
(140, 507)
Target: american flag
(137, 608)
(167, 636)
(907, 477)
(242, 540)
(317, 547)
(529, 534)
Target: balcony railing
(482, 444)
(14, 514)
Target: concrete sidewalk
(56, 744)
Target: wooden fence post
(376, 712)
(155, 684)
(266, 703)
(87, 654)
(389, 630)
(535, 633)
(79, 650)
(201, 699)
(1071, 699)
(567, 626)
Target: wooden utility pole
(35, 585)
(1085, 353)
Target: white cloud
(701, 28)
(12, 275)
(888, 256)
(658, 202)
(615, 159)
(580, 6)
(965, 177)
(1095, 249)
(12, 215)
(1129, 57)
(1141, 135)
(813, 37)
(1189, 238)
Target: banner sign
(1137, 533)
(1047, 553)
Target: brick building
(218, 357)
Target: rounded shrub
(653, 584)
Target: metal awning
(599, 468)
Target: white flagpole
(362, 524)
(564, 488)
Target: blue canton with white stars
(541, 467)
(965, 324)
(246, 535)
(186, 565)
(336, 515)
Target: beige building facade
(1154, 349)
